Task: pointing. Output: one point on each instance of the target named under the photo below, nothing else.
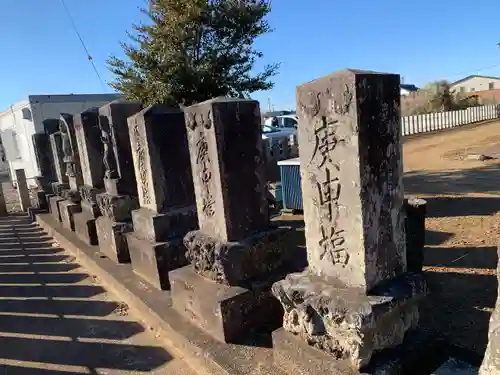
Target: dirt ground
(462, 223)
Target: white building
(20, 121)
(476, 83)
(407, 89)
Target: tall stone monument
(45, 161)
(166, 194)
(356, 298)
(120, 198)
(235, 245)
(71, 204)
(61, 185)
(90, 149)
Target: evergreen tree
(194, 50)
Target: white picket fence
(446, 120)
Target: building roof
(408, 87)
(473, 76)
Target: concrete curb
(153, 307)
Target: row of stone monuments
(182, 196)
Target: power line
(89, 56)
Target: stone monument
(356, 298)
(120, 198)
(236, 250)
(45, 161)
(166, 194)
(90, 149)
(61, 185)
(71, 204)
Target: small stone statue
(108, 155)
(67, 148)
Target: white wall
(477, 84)
(42, 108)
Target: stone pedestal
(153, 260)
(22, 190)
(356, 298)
(235, 243)
(156, 245)
(54, 207)
(67, 210)
(114, 224)
(85, 221)
(415, 233)
(112, 240)
(166, 195)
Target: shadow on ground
(461, 318)
(485, 179)
(52, 313)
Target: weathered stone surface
(153, 260)
(67, 210)
(491, 361)
(59, 188)
(58, 156)
(161, 159)
(90, 147)
(351, 169)
(225, 145)
(456, 367)
(225, 312)
(3, 206)
(345, 322)
(233, 262)
(415, 233)
(72, 195)
(40, 200)
(22, 190)
(117, 159)
(153, 227)
(112, 240)
(89, 194)
(44, 156)
(117, 208)
(85, 227)
(54, 207)
(70, 151)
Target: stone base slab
(232, 263)
(227, 313)
(112, 240)
(85, 227)
(153, 260)
(344, 322)
(154, 227)
(68, 209)
(415, 356)
(54, 207)
(59, 188)
(40, 200)
(117, 207)
(254, 355)
(33, 211)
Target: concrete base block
(112, 239)
(68, 209)
(85, 227)
(228, 313)
(33, 211)
(153, 260)
(54, 207)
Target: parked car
(284, 121)
(270, 132)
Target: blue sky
(421, 40)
